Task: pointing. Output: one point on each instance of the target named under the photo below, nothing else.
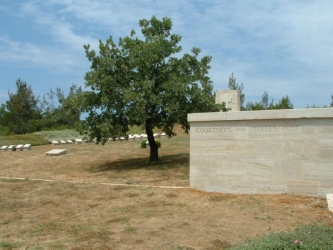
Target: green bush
(5, 131)
(143, 144)
(56, 135)
(310, 237)
(32, 139)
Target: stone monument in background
(230, 97)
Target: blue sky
(284, 47)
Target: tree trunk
(152, 143)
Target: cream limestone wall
(267, 152)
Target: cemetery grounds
(110, 197)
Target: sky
(284, 47)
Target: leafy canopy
(23, 114)
(142, 82)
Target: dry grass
(75, 211)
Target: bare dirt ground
(81, 208)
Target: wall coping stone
(311, 113)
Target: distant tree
(4, 129)
(62, 111)
(233, 85)
(23, 111)
(48, 103)
(265, 101)
(3, 113)
(49, 106)
(284, 103)
(265, 104)
(324, 106)
(139, 82)
(70, 109)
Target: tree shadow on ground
(165, 162)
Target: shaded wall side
(263, 156)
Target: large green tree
(24, 113)
(141, 81)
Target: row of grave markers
(144, 136)
(76, 141)
(20, 147)
(134, 137)
(130, 137)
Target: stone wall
(271, 152)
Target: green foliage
(64, 115)
(233, 85)
(224, 107)
(284, 103)
(135, 130)
(143, 144)
(310, 237)
(4, 130)
(40, 138)
(139, 82)
(32, 139)
(23, 114)
(264, 104)
(57, 135)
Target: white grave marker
(56, 152)
(78, 141)
(330, 201)
(26, 147)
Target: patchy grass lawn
(82, 208)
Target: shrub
(32, 139)
(143, 144)
(5, 131)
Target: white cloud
(283, 47)
(31, 55)
(57, 26)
